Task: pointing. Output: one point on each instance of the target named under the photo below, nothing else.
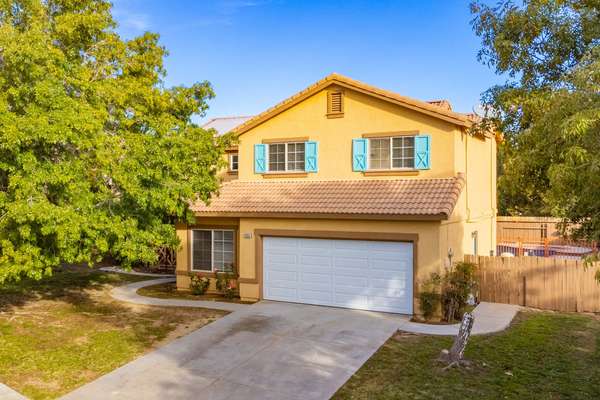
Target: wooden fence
(544, 283)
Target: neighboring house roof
(443, 103)
(373, 199)
(224, 125)
(439, 109)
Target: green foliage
(449, 291)
(226, 283)
(97, 157)
(429, 296)
(457, 284)
(199, 284)
(549, 108)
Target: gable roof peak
(440, 111)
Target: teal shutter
(260, 158)
(422, 151)
(311, 150)
(359, 154)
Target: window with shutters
(286, 157)
(335, 104)
(392, 153)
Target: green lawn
(542, 356)
(64, 331)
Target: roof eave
(335, 79)
(308, 215)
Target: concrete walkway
(7, 393)
(268, 350)
(489, 318)
(120, 270)
(128, 293)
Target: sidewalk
(489, 318)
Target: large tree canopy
(549, 108)
(97, 157)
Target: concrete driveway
(269, 350)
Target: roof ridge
(457, 118)
(460, 175)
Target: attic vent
(335, 104)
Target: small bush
(450, 290)
(429, 296)
(458, 282)
(227, 284)
(199, 284)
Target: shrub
(450, 290)
(226, 284)
(199, 284)
(458, 282)
(429, 295)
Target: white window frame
(231, 156)
(391, 152)
(286, 169)
(212, 250)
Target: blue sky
(259, 52)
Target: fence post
(524, 291)
(546, 250)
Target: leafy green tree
(549, 107)
(97, 156)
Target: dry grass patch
(64, 331)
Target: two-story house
(346, 195)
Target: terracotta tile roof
(443, 103)
(381, 199)
(435, 110)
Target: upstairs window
(233, 162)
(286, 157)
(392, 152)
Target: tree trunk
(455, 355)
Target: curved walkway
(489, 317)
(129, 294)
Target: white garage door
(361, 274)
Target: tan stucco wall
(427, 248)
(452, 152)
(362, 115)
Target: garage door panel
(389, 283)
(279, 278)
(316, 260)
(387, 265)
(281, 258)
(351, 301)
(345, 262)
(316, 244)
(320, 296)
(341, 281)
(279, 293)
(346, 273)
(349, 245)
(389, 275)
